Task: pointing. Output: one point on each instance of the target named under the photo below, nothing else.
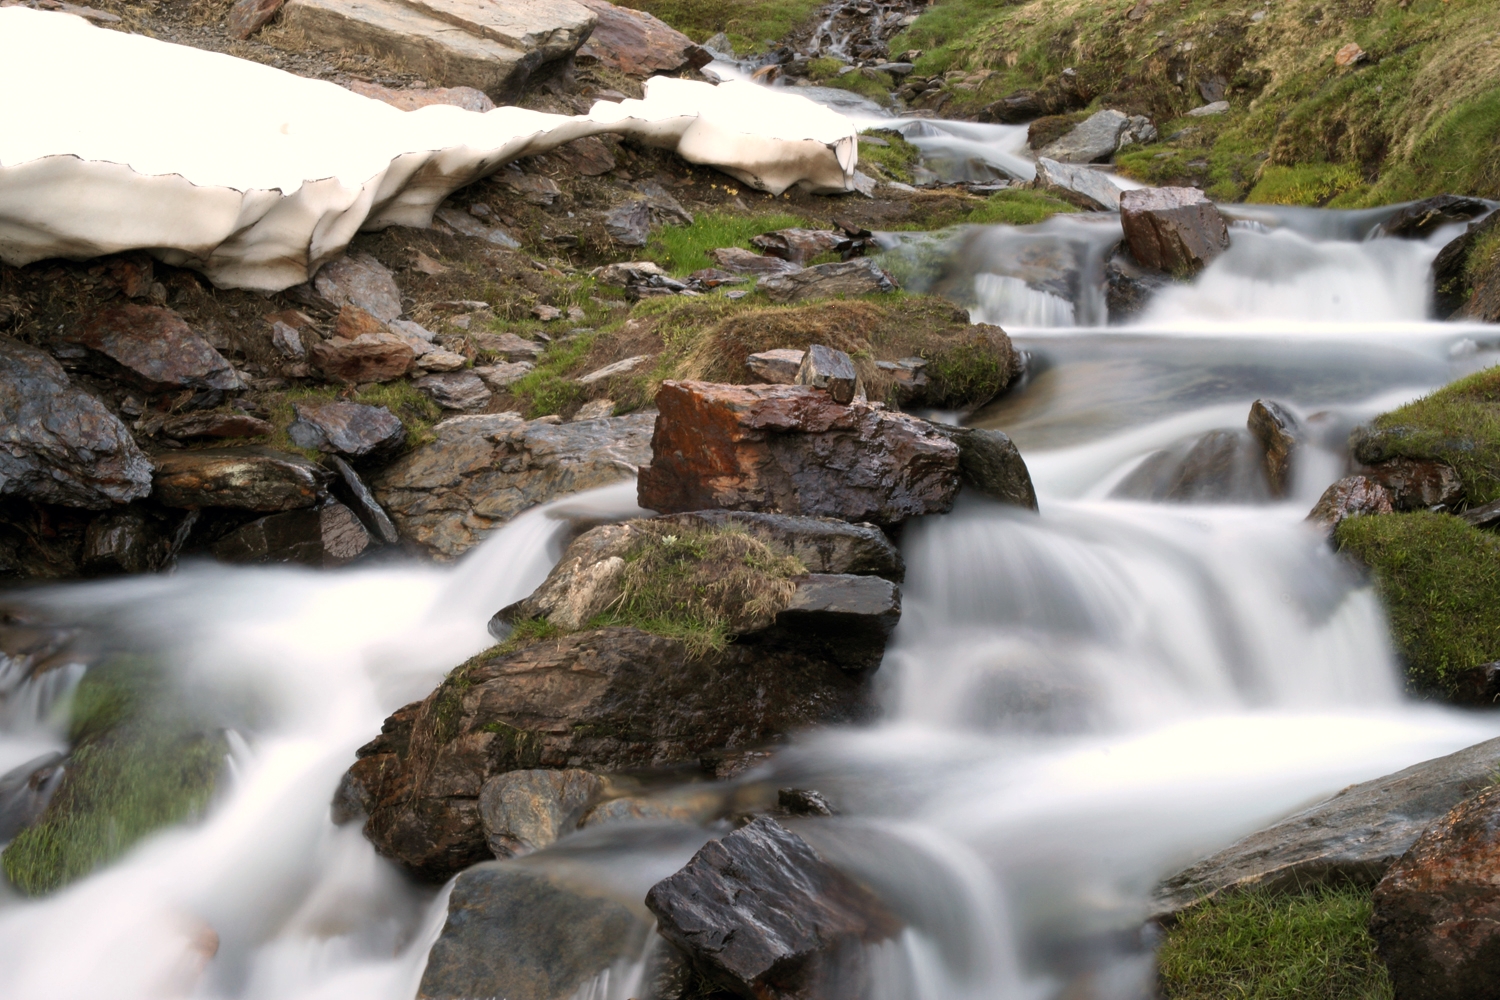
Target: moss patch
(1459, 424)
(1253, 947)
(1312, 184)
(1020, 207)
(1440, 580)
(893, 161)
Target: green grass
(1254, 947)
(892, 162)
(750, 24)
(546, 389)
(1459, 424)
(1016, 208)
(1312, 184)
(1440, 581)
(867, 83)
(684, 249)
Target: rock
(1222, 466)
(737, 260)
(761, 913)
(1177, 230)
(1417, 483)
(251, 478)
(1213, 108)
(830, 370)
(1092, 141)
(482, 470)
(637, 44)
(597, 409)
(1139, 129)
(607, 699)
(852, 615)
(462, 390)
(1436, 919)
(1280, 433)
(990, 462)
(823, 544)
(851, 277)
(412, 98)
(1091, 189)
(124, 542)
(1015, 108)
(344, 428)
(800, 245)
(500, 377)
(587, 157)
(1421, 219)
(247, 17)
(326, 536)
(287, 341)
(558, 933)
(803, 802)
(1349, 55)
(509, 346)
(692, 804)
(534, 189)
(546, 313)
(910, 378)
(625, 274)
(152, 348)
(58, 444)
(629, 224)
(1348, 497)
(1352, 838)
(351, 489)
(522, 811)
(623, 367)
(1485, 516)
(361, 281)
(216, 425)
(465, 223)
(778, 367)
(793, 450)
(1129, 288)
(440, 361)
(363, 350)
(1454, 288)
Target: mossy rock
(1458, 424)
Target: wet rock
(1436, 919)
(851, 616)
(1089, 189)
(737, 260)
(990, 462)
(58, 444)
(1094, 140)
(251, 478)
(1280, 433)
(1015, 108)
(803, 802)
(216, 425)
(351, 489)
(778, 367)
(364, 351)
(558, 934)
(412, 98)
(361, 281)
(482, 470)
(1223, 466)
(1422, 218)
(126, 541)
(1177, 230)
(345, 428)
(461, 390)
(1454, 292)
(152, 348)
(247, 17)
(761, 913)
(25, 792)
(1352, 838)
(637, 44)
(800, 245)
(1348, 497)
(822, 544)
(522, 811)
(862, 276)
(693, 804)
(1418, 483)
(1129, 288)
(326, 536)
(830, 370)
(793, 450)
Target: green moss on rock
(1458, 424)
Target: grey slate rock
(345, 428)
(830, 369)
(990, 462)
(861, 276)
(326, 536)
(1091, 141)
(351, 489)
(849, 617)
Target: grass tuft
(684, 249)
(750, 24)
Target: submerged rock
(1129, 288)
(990, 462)
(1222, 466)
(1421, 219)
(1177, 230)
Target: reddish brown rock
(152, 348)
(792, 449)
(637, 44)
(1350, 496)
(363, 350)
(412, 98)
(1437, 911)
(1173, 229)
(1418, 483)
(1281, 434)
(248, 16)
(248, 478)
(216, 425)
(589, 156)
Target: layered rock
(1091, 141)
(345, 428)
(152, 348)
(862, 276)
(327, 536)
(1177, 230)
(251, 478)
(1089, 189)
(638, 44)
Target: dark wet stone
(1176, 230)
(1280, 433)
(351, 489)
(522, 811)
(126, 541)
(990, 462)
(216, 425)
(326, 536)
(1350, 496)
(1129, 288)
(803, 802)
(1421, 219)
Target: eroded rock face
(482, 470)
(327, 536)
(1437, 911)
(58, 444)
(793, 450)
(152, 348)
(761, 913)
(1173, 229)
(251, 478)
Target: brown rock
(1173, 229)
(1437, 911)
(1418, 483)
(1349, 55)
(800, 245)
(328, 536)
(778, 367)
(1280, 433)
(522, 811)
(152, 348)
(830, 370)
(123, 541)
(247, 17)
(637, 44)
(412, 98)
(458, 390)
(588, 157)
(862, 276)
(737, 260)
(1422, 218)
(362, 281)
(793, 450)
(133, 273)
(216, 425)
(250, 478)
(344, 428)
(1350, 496)
(363, 351)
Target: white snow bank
(112, 142)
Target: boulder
(800, 245)
(1418, 483)
(152, 348)
(326, 536)
(344, 428)
(460, 390)
(1177, 230)
(412, 98)
(638, 44)
(793, 450)
(1016, 108)
(371, 355)
(482, 470)
(1352, 838)
(125, 541)
(351, 489)
(1093, 140)
(247, 17)
(990, 462)
(1129, 288)
(737, 260)
(1350, 496)
(850, 615)
(760, 913)
(862, 276)
(1089, 189)
(522, 811)
(777, 367)
(830, 370)
(361, 281)
(627, 273)
(500, 377)
(1281, 434)
(557, 933)
(1436, 920)
(1455, 288)
(1421, 219)
(250, 478)
(58, 444)
(1222, 466)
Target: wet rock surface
(1417, 483)
(1129, 287)
(1177, 230)
(522, 811)
(326, 536)
(830, 370)
(990, 462)
(1280, 433)
(1348, 497)
(251, 478)
(1420, 219)
(1222, 466)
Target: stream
(1076, 702)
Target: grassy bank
(751, 25)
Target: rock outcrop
(1093, 140)
(1177, 230)
(638, 44)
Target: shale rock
(460, 390)
(990, 462)
(1421, 219)
(1089, 189)
(1352, 838)
(737, 260)
(778, 367)
(152, 348)
(800, 245)
(361, 281)
(351, 489)
(1092, 141)
(793, 450)
(58, 444)
(1348, 497)
(762, 914)
(637, 44)
(215, 425)
(1173, 229)
(482, 470)
(522, 811)
(327, 536)
(861, 276)
(344, 428)
(1437, 911)
(124, 541)
(1280, 433)
(830, 370)
(251, 478)
(376, 356)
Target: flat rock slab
(412, 98)
(1095, 189)
(152, 348)
(1353, 837)
(1091, 141)
(638, 44)
(737, 260)
(361, 281)
(247, 478)
(58, 444)
(776, 367)
(553, 29)
(216, 425)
